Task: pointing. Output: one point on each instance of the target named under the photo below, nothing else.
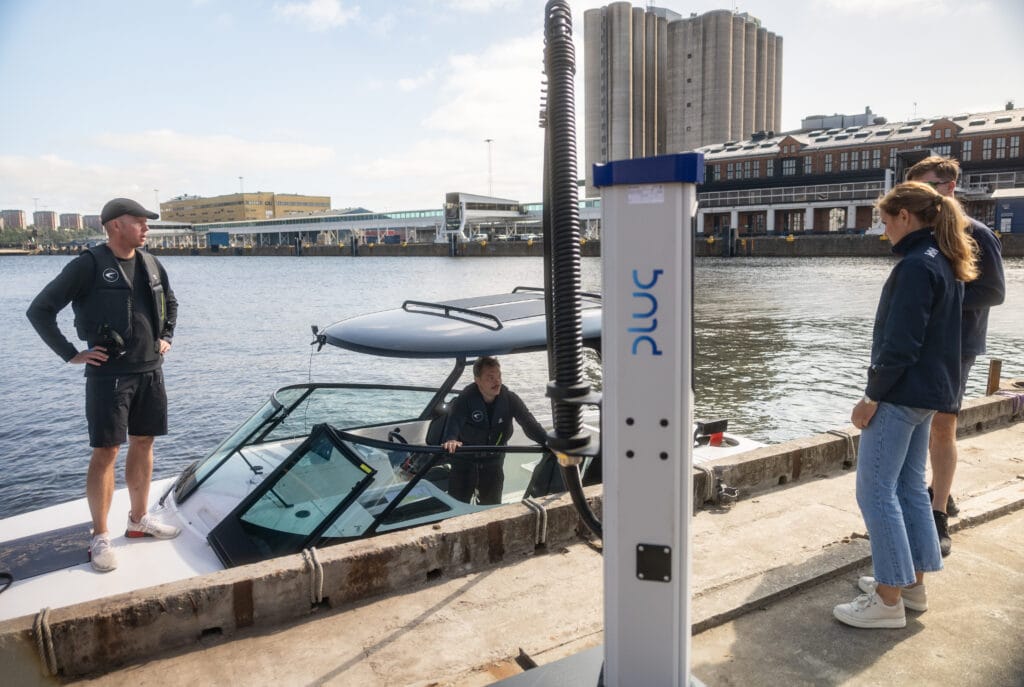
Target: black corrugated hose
(562, 251)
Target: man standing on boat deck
(482, 416)
(987, 290)
(125, 311)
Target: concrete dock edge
(102, 635)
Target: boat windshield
(277, 428)
(311, 487)
(316, 498)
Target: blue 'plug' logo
(651, 303)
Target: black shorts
(118, 406)
(966, 364)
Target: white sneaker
(101, 553)
(915, 598)
(869, 611)
(150, 527)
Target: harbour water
(781, 348)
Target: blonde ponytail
(951, 234)
(946, 218)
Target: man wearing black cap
(125, 311)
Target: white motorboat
(318, 464)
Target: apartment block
(13, 219)
(71, 221)
(45, 219)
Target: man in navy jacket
(987, 290)
(482, 416)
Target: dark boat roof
(465, 327)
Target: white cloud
(494, 92)
(319, 15)
(481, 5)
(410, 84)
(929, 9)
(217, 152)
(134, 164)
(54, 183)
(496, 95)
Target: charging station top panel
(685, 168)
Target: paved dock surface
(766, 574)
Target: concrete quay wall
(98, 636)
(819, 246)
(800, 246)
(508, 249)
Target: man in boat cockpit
(482, 415)
(125, 311)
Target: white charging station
(647, 208)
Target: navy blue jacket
(981, 294)
(915, 350)
(470, 422)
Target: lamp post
(490, 179)
(241, 185)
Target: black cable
(561, 225)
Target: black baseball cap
(124, 206)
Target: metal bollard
(995, 367)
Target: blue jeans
(892, 494)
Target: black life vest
(482, 428)
(109, 300)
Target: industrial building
(657, 82)
(828, 179)
(465, 217)
(238, 207)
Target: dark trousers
(485, 477)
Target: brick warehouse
(827, 176)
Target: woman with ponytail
(915, 371)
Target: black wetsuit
(125, 395)
(477, 423)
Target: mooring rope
(1018, 399)
(710, 487)
(316, 575)
(44, 641)
(851, 453)
(540, 536)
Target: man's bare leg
(99, 485)
(942, 449)
(942, 452)
(138, 473)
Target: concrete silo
(717, 77)
(776, 95)
(769, 95)
(761, 80)
(749, 76)
(684, 85)
(737, 59)
(656, 82)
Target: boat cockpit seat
(438, 419)
(435, 432)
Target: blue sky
(387, 104)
